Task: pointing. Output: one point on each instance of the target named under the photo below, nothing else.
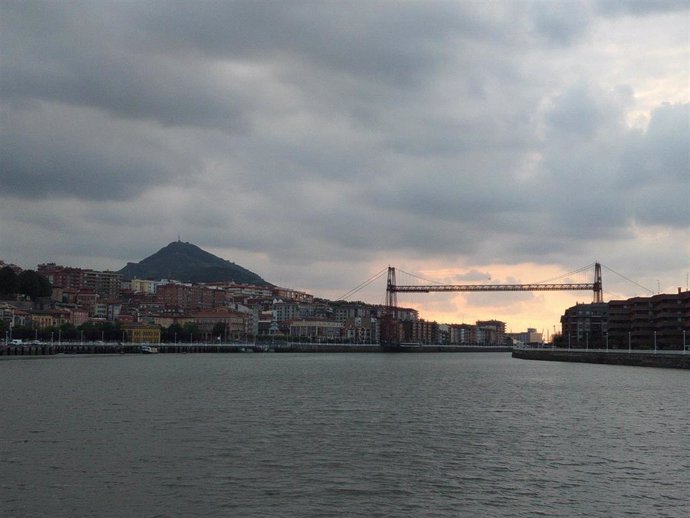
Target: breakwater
(665, 359)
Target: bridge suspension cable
(569, 274)
(362, 285)
(629, 280)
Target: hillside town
(91, 305)
(85, 304)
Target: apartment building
(661, 321)
(190, 296)
(585, 325)
(490, 332)
(145, 286)
(462, 334)
(316, 329)
(105, 283)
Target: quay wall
(376, 348)
(129, 348)
(665, 359)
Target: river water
(346, 435)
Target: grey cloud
(376, 41)
(47, 151)
(75, 57)
(473, 276)
(662, 151)
(560, 23)
(164, 62)
(580, 111)
(601, 175)
(640, 7)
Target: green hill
(188, 263)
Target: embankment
(666, 359)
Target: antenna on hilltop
(178, 237)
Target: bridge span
(392, 288)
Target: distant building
(491, 332)
(361, 330)
(290, 294)
(233, 323)
(87, 300)
(190, 296)
(49, 318)
(344, 312)
(106, 284)
(642, 322)
(143, 286)
(285, 311)
(142, 333)
(462, 334)
(526, 337)
(62, 276)
(316, 329)
(585, 325)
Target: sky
(317, 143)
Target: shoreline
(662, 359)
(180, 348)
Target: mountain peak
(187, 262)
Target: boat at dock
(148, 349)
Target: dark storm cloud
(90, 55)
(47, 151)
(156, 60)
(367, 40)
(176, 65)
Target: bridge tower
(391, 294)
(389, 323)
(598, 287)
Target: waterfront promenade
(677, 359)
(43, 349)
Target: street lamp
(654, 341)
